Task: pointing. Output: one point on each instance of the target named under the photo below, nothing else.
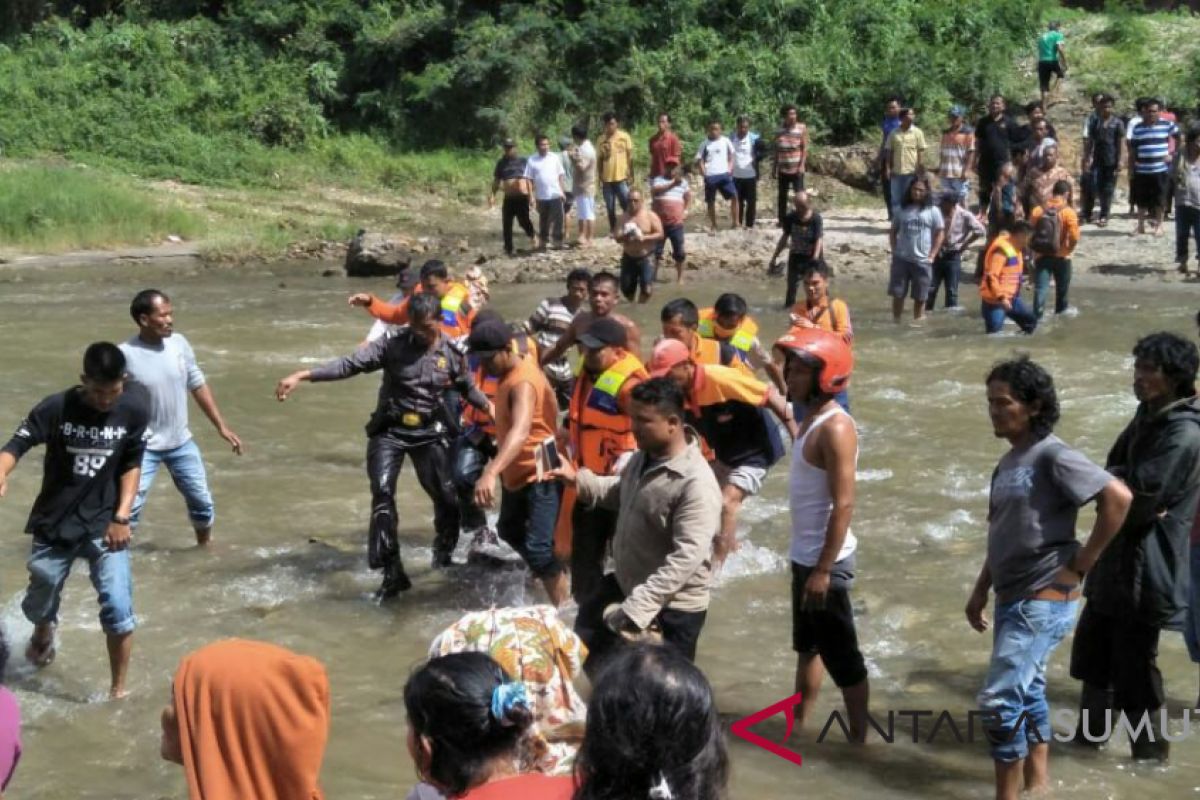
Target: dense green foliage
(214, 89)
(61, 208)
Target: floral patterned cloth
(536, 648)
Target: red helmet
(830, 352)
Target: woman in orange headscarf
(248, 720)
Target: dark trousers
(592, 531)
(515, 207)
(1103, 181)
(1045, 268)
(747, 199)
(550, 220)
(947, 268)
(526, 523)
(787, 185)
(797, 265)
(1187, 223)
(680, 629)
(468, 460)
(1116, 657)
(988, 175)
(431, 460)
(886, 184)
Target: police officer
(421, 369)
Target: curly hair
(1175, 356)
(1030, 384)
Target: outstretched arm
(208, 404)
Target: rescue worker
(729, 321)
(1000, 287)
(455, 310)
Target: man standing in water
(602, 300)
(817, 367)
(639, 234)
(1034, 563)
(94, 436)
(1139, 586)
(526, 416)
(420, 367)
(550, 320)
(162, 362)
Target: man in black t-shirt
(803, 228)
(995, 136)
(509, 177)
(95, 437)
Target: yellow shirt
(614, 155)
(904, 150)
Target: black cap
(507, 143)
(604, 332)
(489, 337)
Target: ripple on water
(749, 560)
(949, 527)
(873, 475)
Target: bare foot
(41, 650)
(118, 693)
(203, 536)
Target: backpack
(1047, 232)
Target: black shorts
(1045, 70)
(828, 632)
(1149, 191)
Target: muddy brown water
(288, 564)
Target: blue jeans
(187, 470)
(50, 564)
(615, 192)
(900, 184)
(946, 269)
(962, 186)
(1026, 633)
(993, 316)
(527, 520)
(1043, 269)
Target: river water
(288, 563)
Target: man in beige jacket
(668, 512)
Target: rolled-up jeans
(1014, 693)
(50, 566)
(615, 192)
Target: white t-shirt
(545, 171)
(743, 155)
(715, 155)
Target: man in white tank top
(817, 365)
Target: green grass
(53, 208)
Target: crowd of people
(619, 482)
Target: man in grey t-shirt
(1034, 563)
(918, 231)
(162, 362)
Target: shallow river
(289, 566)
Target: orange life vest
(1009, 278)
(457, 313)
(600, 431)
(742, 339)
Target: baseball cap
(668, 353)
(604, 332)
(957, 111)
(489, 337)
(507, 143)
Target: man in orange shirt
(600, 433)
(454, 297)
(526, 417)
(1000, 288)
(1055, 234)
(727, 407)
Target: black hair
(683, 308)
(1153, 102)
(1193, 133)
(783, 112)
(818, 267)
(1030, 384)
(662, 114)
(609, 116)
(1142, 102)
(434, 268)
(579, 130)
(1175, 356)
(604, 276)
(730, 305)
(422, 306)
(997, 96)
(143, 303)
(893, 98)
(662, 393)
(449, 702)
(1029, 107)
(742, 118)
(908, 198)
(712, 122)
(907, 110)
(486, 314)
(652, 718)
(1061, 187)
(1020, 226)
(1105, 97)
(579, 274)
(104, 362)
(537, 139)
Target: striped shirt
(548, 322)
(955, 147)
(1151, 146)
(789, 149)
